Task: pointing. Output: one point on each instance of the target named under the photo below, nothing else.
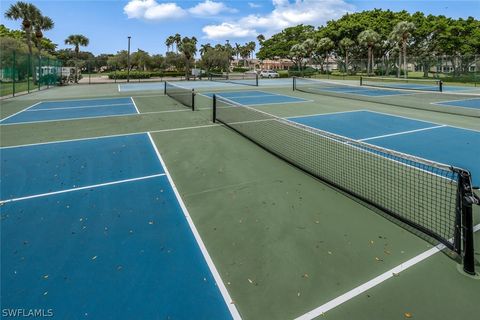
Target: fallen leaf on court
(407, 315)
(298, 294)
(386, 252)
(250, 281)
(45, 276)
(305, 275)
(94, 257)
(150, 222)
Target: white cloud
(210, 8)
(152, 10)
(227, 30)
(285, 14)
(254, 5)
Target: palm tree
(251, 46)
(369, 38)
(177, 39)
(41, 23)
(188, 47)
(260, 39)
(77, 40)
(346, 44)
(27, 13)
(204, 48)
(169, 43)
(403, 31)
(244, 53)
(237, 48)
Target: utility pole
(128, 60)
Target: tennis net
(401, 83)
(183, 95)
(248, 78)
(431, 101)
(427, 196)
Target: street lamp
(128, 60)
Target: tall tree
(188, 48)
(403, 30)
(323, 49)
(40, 24)
(77, 40)
(346, 44)
(204, 48)
(297, 54)
(28, 13)
(177, 39)
(169, 42)
(369, 38)
(237, 49)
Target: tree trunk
(346, 62)
(369, 58)
(372, 65)
(399, 64)
(404, 49)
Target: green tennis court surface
(272, 242)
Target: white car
(269, 74)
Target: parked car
(269, 74)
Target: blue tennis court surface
(73, 109)
(473, 103)
(91, 226)
(440, 143)
(256, 97)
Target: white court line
(373, 282)
(446, 101)
(82, 188)
(94, 117)
(327, 113)
(25, 109)
(410, 118)
(216, 275)
(69, 119)
(135, 105)
(87, 99)
(402, 132)
(111, 136)
(81, 107)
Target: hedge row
(144, 74)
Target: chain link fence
(22, 73)
(458, 69)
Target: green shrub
(240, 69)
(144, 74)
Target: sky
(108, 23)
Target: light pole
(128, 60)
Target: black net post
(293, 83)
(469, 198)
(165, 88)
(361, 80)
(13, 73)
(214, 114)
(440, 86)
(256, 79)
(193, 99)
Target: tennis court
(255, 97)
(163, 209)
(72, 109)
